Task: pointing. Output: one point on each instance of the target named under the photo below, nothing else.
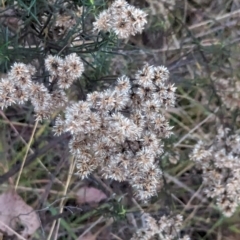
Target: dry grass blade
(26, 154)
(70, 174)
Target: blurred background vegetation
(197, 40)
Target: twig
(182, 185)
(195, 128)
(92, 226)
(218, 18)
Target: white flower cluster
(219, 161)
(229, 91)
(65, 18)
(19, 87)
(64, 71)
(167, 228)
(119, 131)
(123, 19)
